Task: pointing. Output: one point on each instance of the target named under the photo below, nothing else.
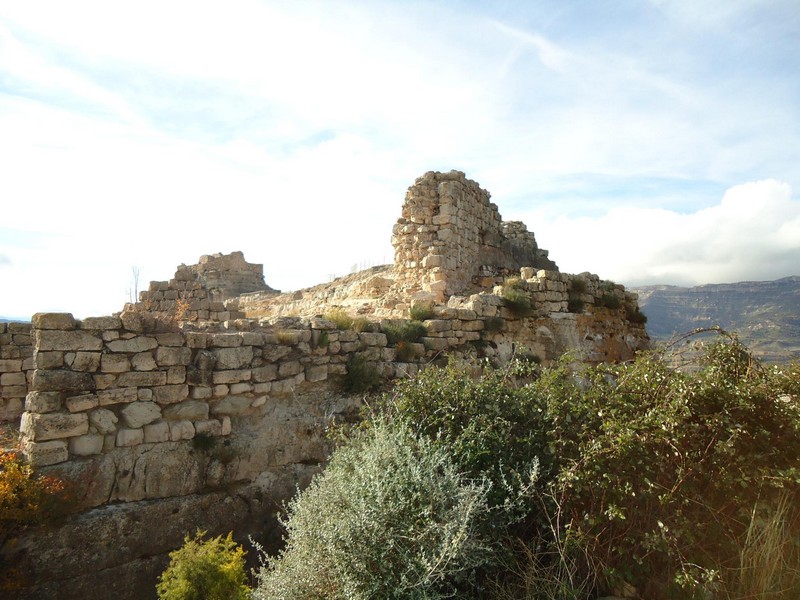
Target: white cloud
(749, 235)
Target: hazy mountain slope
(766, 314)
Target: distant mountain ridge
(765, 314)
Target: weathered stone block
(41, 454)
(231, 376)
(142, 379)
(211, 427)
(170, 339)
(265, 373)
(234, 358)
(181, 430)
(289, 368)
(10, 365)
(316, 373)
(231, 405)
(156, 433)
(117, 396)
(196, 340)
(81, 403)
(143, 361)
(139, 414)
(139, 343)
(8, 379)
(373, 339)
(171, 394)
(53, 426)
(225, 340)
(61, 321)
(114, 363)
(104, 421)
(200, 392)
(241, 388)
(47, 340)
(86, 445)
(88, 362)
(192, 410)
(47, 360)
(101, 323)
(61, 381)
(176, 375)
(43, 402)
(167, 356)
(130, 437)
(437, 325)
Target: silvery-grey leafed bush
(391, 517)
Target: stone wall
(450, 234)
(199, 292)
(16, 361)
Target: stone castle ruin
(206, 403)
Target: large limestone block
(182, 430)
(167, 356)
(114, 363)
(53, 426)
(47, 340)
(81, 403)
(171, 394)
(155, 433)
(86, 445)
(234, 358)
(231, 405)
(101, 323)
(10, 365)
(117, 396)
(190, 410)
(104, 421)
(232, 376)
(139, 414)
(43, 402)
(130, 437)
(141, 343)
(42, 454)
(63, 321)
(224, 340)
(142, 379)
(143, 361)
(58, 380)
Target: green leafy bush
(391, 517)
(421, 311)
(409, 331)
(362, 375)
(517, 301)
(660, 470)
(202, 569)
(634, 314)
(575, 304)
(493, 324)
(610, 301)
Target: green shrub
(362, 376)
(421, 311)
(406, 351)
(203, 442)
(391, 517)
(340, 318)
(660, 470)
(410, 331)
(493, 324)
(609, 300)
(575, 304)
(634, 314)
(202, 569)
(578, 286)
(517, 301)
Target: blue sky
(645, 141)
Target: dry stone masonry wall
(198, 292)
(450, 234)
(16, 361)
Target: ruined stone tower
(451, 239)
